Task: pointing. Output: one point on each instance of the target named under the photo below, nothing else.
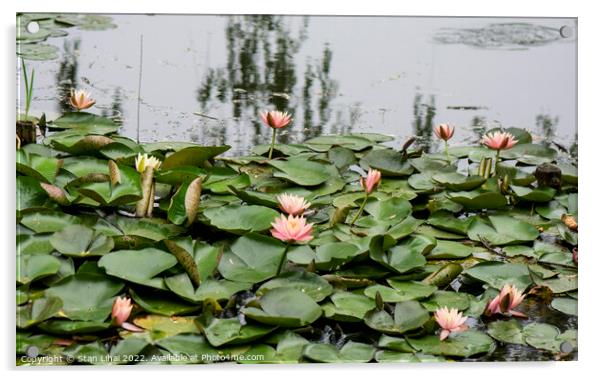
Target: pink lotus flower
(575, 255)
(81, 99)
(444, 131)
(450, 320)
(292, 229)
(499, 141)
(508, 299)
(371, 181)
(276, 119)
(291, 204)
(122, 307)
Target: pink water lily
(505, 302)
(499, 140)
(292, 229)
(276, 119)
(371, 181)
(122, 308)
(81, 99)
(450, 320)
(444, 131)
(292, 204)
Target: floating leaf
(148, 262)
(286, 307)
(81, 241)
(464, 344)
(241, 218)
(192, 156)
(301, 171)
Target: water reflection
(424, 113)
(261, 72)
(546, 126)
(66, 76)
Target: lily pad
(286, 307)
(252, 258)
(241, 218)
(351, 352)
(230, 331)
(389, 162)
(309, 283)
(192, 156)
(408, 315)
(81, 241)
(148, 262)
(86, 297)
(464, 344)
(301, 171)
(502, 230)
(497, 274)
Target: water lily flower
(143, 161)
(369, 184)
(81, 99)
(292, 204)
(371, 181)
(505, 302)
(450, 320)
(275, 120)
(292, 229)
(122, 307)
(499, 140)
(444, 131)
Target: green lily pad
(458, 182)
(86, 123)
(400, 291)
(69, 328)
(502, 230)
(450, 250)
(388, 162)
(192, 156)
(162, 304)
(447, 221)
(34, 267)
(334, 254)
(408, 315)
(347, 307)
(351, 352)
(464, 344)
(497, 274)
(391, 211)
(565, 305)
(37, 311)
(406, 256)
(510, 331)
(301, 171)
(241, 218)
(541, 195)
(86, 297)
(37, 166)
(450, 299)
(81, 241)
(309, 283)
(148, 262)
(230, 331)
(479, 199)
(37, 51)
(286, 307)
(252, 258)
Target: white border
(590, 101)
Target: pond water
(206, 78)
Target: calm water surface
(206, 78)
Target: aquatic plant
(498, 141)
(445, 132)
(80, 99)
(292, 204)
(28, 81)
(275, 120)
(450, 321)
(505, 302)
(368, 184)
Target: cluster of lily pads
(31, 40)
(337, 249)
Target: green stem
(273, 142)
(446, 153)
(359, 212)
(283, 259)
(497, 160)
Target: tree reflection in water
(261, 73)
